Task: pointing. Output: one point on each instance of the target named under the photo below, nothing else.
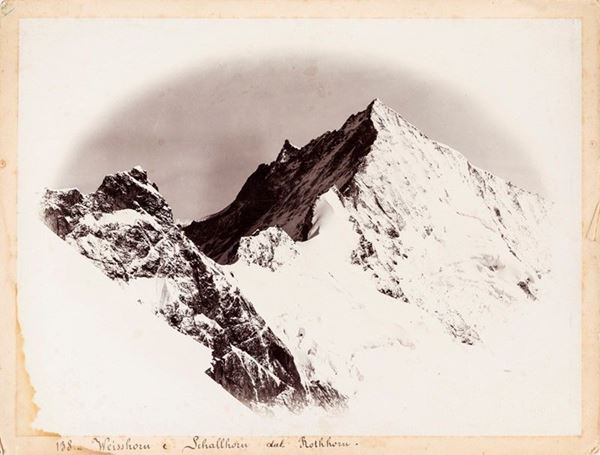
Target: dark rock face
(283, 193)
(127, 229)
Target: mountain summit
(333, 260)
(283, 192)
(420, 211)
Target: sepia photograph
(318, 231)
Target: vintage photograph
(266, 227)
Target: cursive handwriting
(323, 442)
(113, 445)
(211, 444)
(280, 444)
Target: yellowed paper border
(16, 406)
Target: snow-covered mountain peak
(353, 248)
(124, 190)
(379, 115)
(127, 229)
(409, 199)
(378, 109)
(375, 117)
(284, 192)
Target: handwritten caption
(303, 442)
(199, 443)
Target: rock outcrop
(128, 230)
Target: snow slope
(101, 363)
(397, 364)
(373, 272)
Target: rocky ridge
(128, 230)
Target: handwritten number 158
(64, 446)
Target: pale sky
(200, 103)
